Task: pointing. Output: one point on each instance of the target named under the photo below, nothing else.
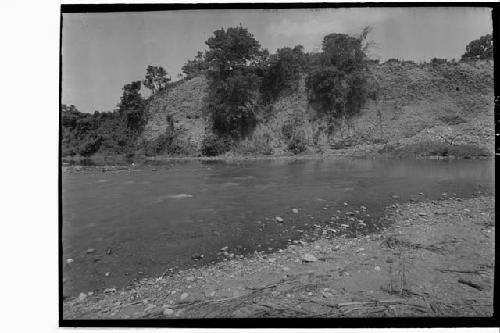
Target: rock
(224, 249)
(344, 225)
(363, 208)
(279, 219)
(349, 213)
(110, 290)
(295, 211)
(91, 293)
(91, 250)
(69, 261)
(82, 296)
(467, 210)
(360, 250)
(197, 256)
(108, 251)
(377, 268)
(168, 312)
(309, 258)
(395, 196)
(184, 295)
(346, 204)
(422, 214)
(106, 274)
(190, 278)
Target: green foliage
(156, 79)
(481, 48)
(233, 59)
(213, 145)
(112, 132)
(90, 147)
(132, 107)
(297, 143)
(168, 143)
(282, 73)
(195, 67)
(337, 88)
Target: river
(142, 221)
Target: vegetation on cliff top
(246, 89)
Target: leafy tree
(481, 48)
(233, 62)
(282, 73)
(195, 67)
(156, 79)
(337, 88)
(132, 105)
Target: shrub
(481, 48)
(337, 89)
(90, 146)
(282, 74)
(213, 145)
(297, 143)
(234, 58)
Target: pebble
(168, 312)
(295, 211)
(106, 274)
(69, 261)
(309, 258)
(279, 219)
(91, 250)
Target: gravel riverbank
(436, 259)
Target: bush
(90, 147)
(338, 88)
(282, 74)
(169, 143)
(297, 143)
(481, 48)
(213, 145)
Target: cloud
(321, 22)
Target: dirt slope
(416, 102)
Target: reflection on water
(156, 217)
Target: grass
(433, 148)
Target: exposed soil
(436, 259)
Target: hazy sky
(103, 51)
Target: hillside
(448, 103)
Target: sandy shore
(436, 259)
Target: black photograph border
(389, 322)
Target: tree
(233, 62)
(337, 88)
(282, 72)
(156, 79)
(195, 67)
(481, 48)
(132, 105)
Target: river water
(142, 221)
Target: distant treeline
(244, 80)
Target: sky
(101, 52)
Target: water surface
(142, 221)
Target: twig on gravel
(471, 284)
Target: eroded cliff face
(415, 102)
